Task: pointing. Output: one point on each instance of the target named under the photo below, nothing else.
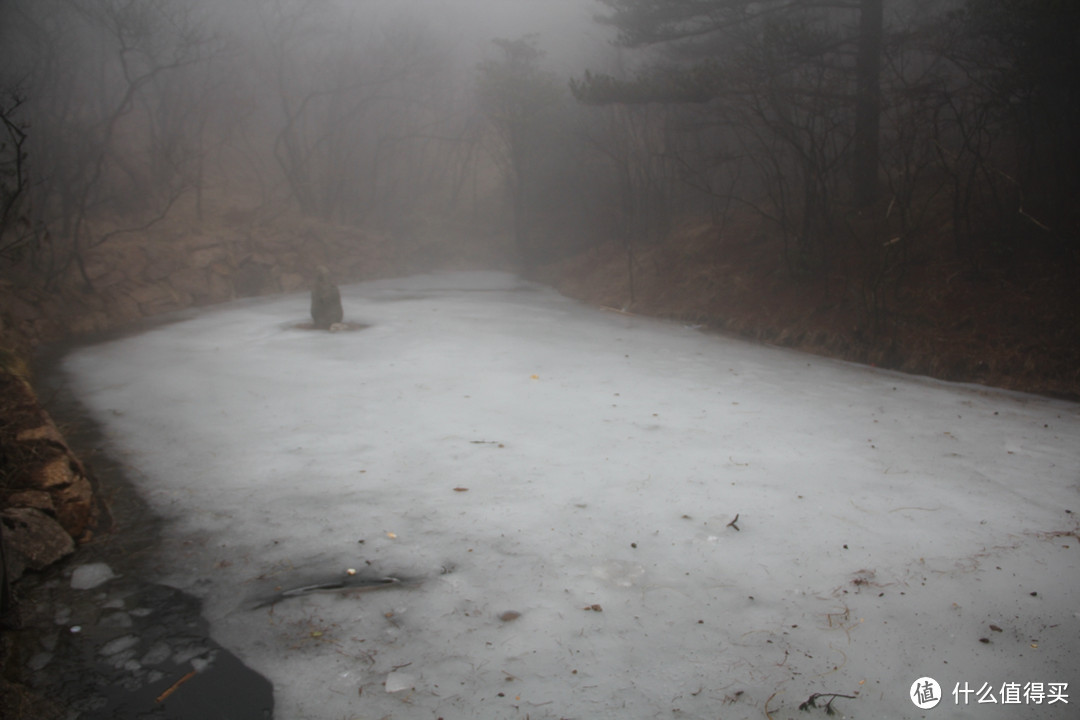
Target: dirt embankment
(1012, 324)
(186, 262)
(179, 266)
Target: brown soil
(1012, 324)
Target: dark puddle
(125, 648)
(347, 326)
(345, 586)
(132, 649)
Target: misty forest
(665, 358)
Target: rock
(220, 287)
(207, 256)
(194, 281)
(36, 499)
(47, 431)
(157, 293)
(32, 540)
(89, 323)
(252, 279)
(325, 301)
(291, 282)
(121, 307)
(72, 495)
(132, 259)
(222, 269)
(89, 576)
(160, 298)
(162, 260)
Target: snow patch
(91, 575)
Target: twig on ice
(175, 685)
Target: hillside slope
(1012, 323)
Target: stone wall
(46, 498)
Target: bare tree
(356, 99)
(514, 93)
(16, 233)
(91, 73)
(700, 36)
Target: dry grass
(1013, 325)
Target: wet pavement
(130, 649)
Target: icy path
(518, 452)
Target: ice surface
(157, 654)
(91, 575)
(120, 644)
(507, 449)
(398, 681)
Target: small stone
(91, 575)
(37, 499)
(398, 681)
(32, 540)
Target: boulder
(88, 323)
(220, 287)
(222, 269)
(326, 307)
(64, 479)
(207, 256)
(160, 298)
(32, 540)
(156, 293)
(193, 281)
(36, 499)
(252, 279)
(291, 282)
(47, 431)
(122, 308)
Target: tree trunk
(868, 102)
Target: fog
(361, 113)
(385, 116)
(550, 126)
(845, 152)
